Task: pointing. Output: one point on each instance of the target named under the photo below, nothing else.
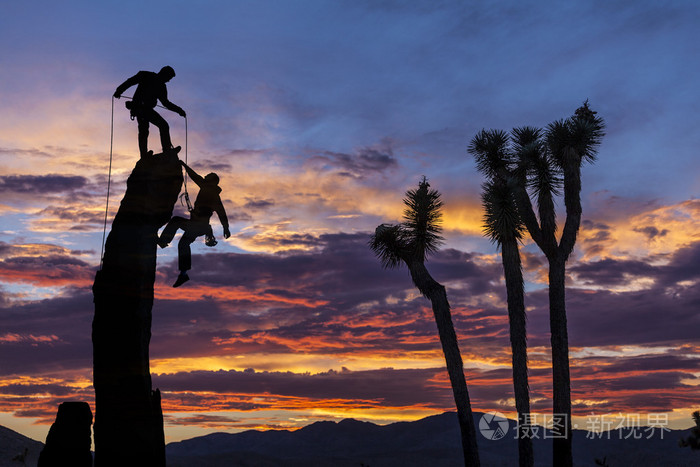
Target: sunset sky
(318, 116)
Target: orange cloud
(14, 337)
(653, 232)
(195, 293)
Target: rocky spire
(128, 417)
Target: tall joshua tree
(544, 164)
(503, 226)
(410, 242)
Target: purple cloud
(41, 184)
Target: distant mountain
(17, 450)
(432, 441)
(429, 442)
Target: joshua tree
(544, 162)
(410, 242)
(693, 441)
(503, 226)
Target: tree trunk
(128, 418)
(453, 359)
(518, 341)
(561, 380)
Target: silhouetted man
(208, 201)
(150, 89)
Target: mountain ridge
(432, 440)
(14, 445)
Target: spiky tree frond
(577, 138)
(389, 245)
(587, 131)
(533, 161)
(536, 170)
(544, 176)
(526, 137)
(422, 218)
(415, 237)
(501, 219)
(558, 139)
(527, 148)
(491, 152)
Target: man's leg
(164, 128)
(143, 134)
(184, 251)
(184, 257)
(168, 233)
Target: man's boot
(143, 145)
(181, 279)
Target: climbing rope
(186, 195)
(109, 183)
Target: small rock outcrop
(68, 441)
(128, 416)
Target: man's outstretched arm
(134, 80)
(170, 106)
(198, 179)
